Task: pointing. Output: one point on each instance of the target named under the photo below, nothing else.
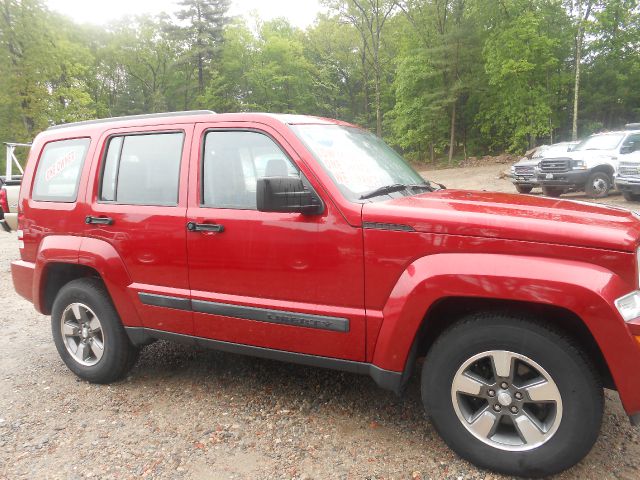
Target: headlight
(578, 165)
(513, 168)
(638, 265)
(629, 306)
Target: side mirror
(626, 149)
(286, 194)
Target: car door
(138, 206)
(283, 281)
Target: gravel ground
(196, 414)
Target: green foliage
(432, 76)
(519, 60)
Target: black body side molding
(385, 379)
(295, 319)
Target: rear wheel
(523, 189)
(598, 185)
(552, 191)
(512, 396)
(88, 333)
(631, 197)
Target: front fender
(584, 289)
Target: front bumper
(523, 180)
(570, 179)
(628, 184)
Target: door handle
(89, 220)
(205, 227)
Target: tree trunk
(378, 108)
(453, 132)
(576, 88)
(200, 74)
(365, 86)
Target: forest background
(437, 79)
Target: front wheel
(524, 188)
(631, 197)
(598, 185)
(88, 333)
(511, 395)
(552, 191)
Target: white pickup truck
(590, 166)
(10, 189)
(9, 192)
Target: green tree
(138, 64)
(280, 77)
(518, 58)
(45, 71)
(611, 87)
(369, 17)
(203, 32)
(229, 89)
(334, 49)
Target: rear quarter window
(58, 172)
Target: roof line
(134, 117)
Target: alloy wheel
(506, 400)
(82, 334)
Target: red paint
(474, 244)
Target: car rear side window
(58, 173)
(142, 169)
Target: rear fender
(584, 289)
(93, 253)
(103, 257)
(52, 249)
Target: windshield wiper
(395, 187)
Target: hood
(509, 216)
(633, 157)
(585, 155)
(527, 162)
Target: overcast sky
(299, 12)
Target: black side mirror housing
(287, 194)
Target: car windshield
(357, 161)
(552, 150)
(607, 141)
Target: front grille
(629, 169)
(555, 165)
(524, 170)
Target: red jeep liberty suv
(309, 240)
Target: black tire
(523, 189)
(579, 387)
(552, 191)
(631, 197)
(598, 185)
(119, 354)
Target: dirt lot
(208, 415)
(488, 177)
